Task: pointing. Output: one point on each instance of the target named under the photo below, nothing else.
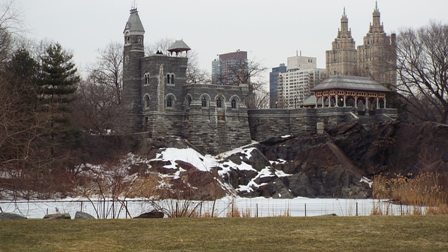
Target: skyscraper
(273, 84)
(295, 85)
(375, 58)
(230, 68)
(341, 59)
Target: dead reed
(426, 189)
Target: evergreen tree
(21, 73)
(58, 80)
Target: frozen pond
(253, 207)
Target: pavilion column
(316, 102)
(323, 101)
(367, 103)
(345, 101)
(337, 101)
(377, 103)
(356, 101)
(385, 102)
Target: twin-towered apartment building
(375, 58)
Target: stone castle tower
(375, 58)
(133, 52)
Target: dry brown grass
(232, 210)
(426, 189)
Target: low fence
(225, 207)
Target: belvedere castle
(214, 118)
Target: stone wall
(214, 129)
(268, 123)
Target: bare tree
(247, 72)
(109, 69)
(195, 75)
(96, 110)
(422, 57)
(160, 46)
(9, 23)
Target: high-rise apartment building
(375, 58)
(273, 84)
(230, 68)
(295, 85)
(341, 60)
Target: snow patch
(367, 181)
(281, 174)
(202, 163)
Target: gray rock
(11, 216)
(151, 215)
(58, 216)
(83, 216)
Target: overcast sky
(269, 30)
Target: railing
(225, 207)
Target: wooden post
(213, 208)
(113, 209)
(356, 208)
(126, 206)
(305, 209)
(256, 207)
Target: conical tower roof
(134, 24)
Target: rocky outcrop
(333, 164)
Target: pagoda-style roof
(356, 83)
(179, 46)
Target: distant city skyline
(269, 32)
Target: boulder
(11, 216)
(57, 216)
(83, 216)
(150, 215)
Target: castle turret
(132, 54)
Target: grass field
(377, 233)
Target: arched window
(233, 103)
(169, 101)
(204, 101)
(146, 100)
(146, 78)
(219, 102)
(168, 78)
